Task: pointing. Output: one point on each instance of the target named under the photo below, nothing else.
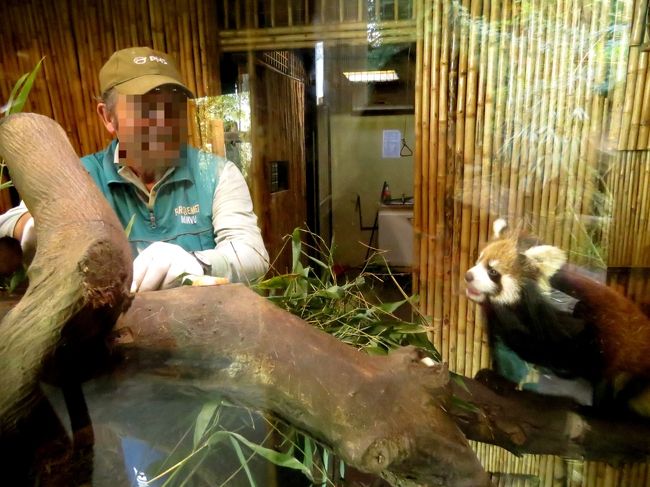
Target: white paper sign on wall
(391, 144)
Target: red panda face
(496, 275)
(503, 266)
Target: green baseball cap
(138, 70)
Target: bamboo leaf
(203, 421)
(129, 226)
(275, 457)
(390, 308)
(242, 461)
(12, 95)
(17, 105)
(296, 250)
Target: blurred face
(151, 129)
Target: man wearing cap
(188, 212)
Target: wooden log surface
(382, 415)
(81, 272)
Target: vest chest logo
(187, 214)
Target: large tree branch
(382, 415)
(82, 268)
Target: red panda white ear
(498, 227)
(547, 258)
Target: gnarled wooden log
(382, 415)
(80, 275)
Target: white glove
(28, 241)
(160, 264)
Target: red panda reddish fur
(623, 329)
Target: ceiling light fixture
(371, 76)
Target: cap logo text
(144, 59)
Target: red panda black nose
(469, 277)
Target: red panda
(604, 338)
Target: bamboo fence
(538, 111)
(76, 37)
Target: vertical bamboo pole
(550, 165)
(514, 207)
(459, 246)
(591, 48)
(480, 349)
(500, 109)
(641, 231)
(527, 177)
(417, 160)
(542, 93)
(487, 155)
(432, 162)
(441, 302)
(596, 132)
(559, 138)
(467, 113)
(575, 17)
(622, 17)
(424, 160)
(633, 72)
(453, 187)
(637, 95)
(644, 129)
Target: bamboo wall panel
(516, 103)
(537, 111)
(277, 114)
(77, 36)
(297, 24)
(508, 470)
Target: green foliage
(350, 310)
(15, 104)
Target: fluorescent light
(371, 76)
(320, 73)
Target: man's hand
(160, 264)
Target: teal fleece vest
(182, 208)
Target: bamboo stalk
(479, 352)
(644, 210)
(440, 248)
(622, 16)
(633, 72)
(467, 242)
(575, 103)
(457, 79)
(230, 36)
(637, 101)
(643, 141)
(554, 204)
(417, 159)
(487, 156)
(527, 181)
(500, 106)
(432, 160)
(424, 164)
(591, 104)
(522, 145)
(543, 68)
(460, 247)
(517, 128)
(551, 166)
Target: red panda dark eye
(493, 273)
